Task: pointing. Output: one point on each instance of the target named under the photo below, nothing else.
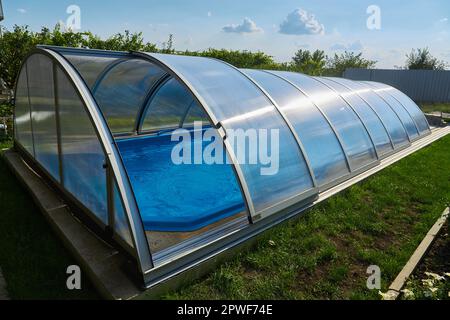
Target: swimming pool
(174, 197)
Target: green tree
(17, 43)
(14, 46)
(168, 46)
(240, 59)
(422, 59)
(310, 63)
(337, 64)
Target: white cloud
(247, 26)
(209, 14)
(355, 46)
(300, 22)
(443, 20)
(22, 10)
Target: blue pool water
(182, 197)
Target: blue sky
(278, 28)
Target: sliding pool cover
(102, 127)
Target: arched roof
(330, 129)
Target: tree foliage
(308, 62)
(15, 44)
(239, 59)
(337, 64)
(423, 60)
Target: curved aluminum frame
(411, 139)
(113, 158)
(285, 119)
(347, 161)
(387, 89)
(395, 149)
(347, 102)
(374, 111)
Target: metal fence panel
(419, 85)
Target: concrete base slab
(398, 283)
(102, 263)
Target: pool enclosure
(102, 128)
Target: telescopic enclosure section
(388, 116)
(321, 144)
(245, 112)
(368, 116)
(54, 128)
(351, 133)
(144, 105)
(407, 103)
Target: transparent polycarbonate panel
(82, 155)
(354, 137)
(43, 115)
(238, 104)
(390, 119)
(123, 90)
(121, 226)
(410, 105)
(89, 66)
(402, 113)
(195, 113)
(22, 118)
(167, 107)
(370, 119)
(319, 141)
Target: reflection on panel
(167, 107)
(404, 116)
(42, 101)
(384, 111)
(354, 137)
(370, 119)
(22, 119)
(123, 90)
(121, 226)
(195, 113)
(82, 155)
(408, 104)
(89, 66)
(318, 139)
(238, 104)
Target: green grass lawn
(321, 254)
(324, 254)
(437, 107)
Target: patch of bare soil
(437, 260)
